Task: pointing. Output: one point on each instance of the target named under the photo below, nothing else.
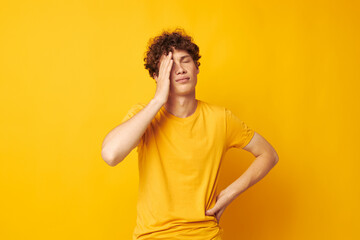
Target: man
(181, 141)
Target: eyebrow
(185, 56)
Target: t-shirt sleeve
(132, 111)
(238, 133)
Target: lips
(182, 79)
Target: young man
(181, 141)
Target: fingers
(162, 60)
(169, 66)
(165, 63)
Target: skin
(266, 159)
(179, 100)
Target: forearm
(123, 138)
(257, 170)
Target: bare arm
(119, 142)
(266, 159)
(125, 137)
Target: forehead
(179, 53)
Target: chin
(183, 90)
(184, 93)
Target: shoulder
(134, 109)
(221, 112)
(137, 106)
(216, 110)
(211, 107)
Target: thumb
(210, 211)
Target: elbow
(276, 158)
(109, 159)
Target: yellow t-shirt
(179, 161)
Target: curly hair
(163, 43)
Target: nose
(179, 69)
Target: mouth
(182, 80)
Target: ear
(155, 77)
(197, 70)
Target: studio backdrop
(70, 71)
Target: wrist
(158, 102)
(235, 189)
(231, 192)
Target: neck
(181, 106)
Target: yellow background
(70, 70)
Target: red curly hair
(163, 44)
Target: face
(183, 67)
